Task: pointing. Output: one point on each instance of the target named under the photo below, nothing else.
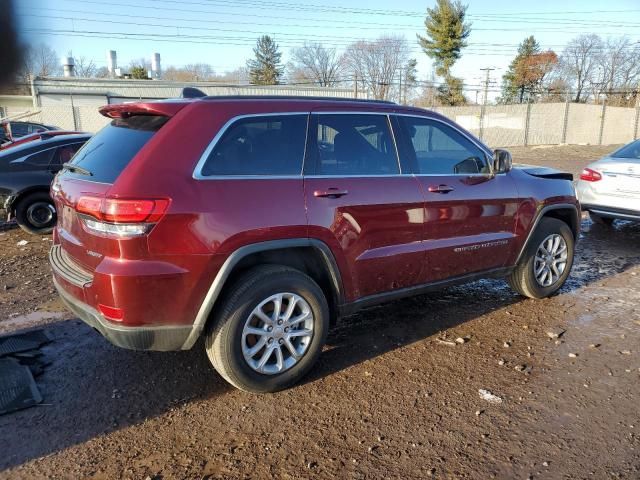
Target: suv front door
(469, 211)
(359, 203)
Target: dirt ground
(392, 395)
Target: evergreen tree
(447, 35)
(266, 68)
(139, 72)
(514, 82)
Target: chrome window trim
(24, 158)
(487, 151)
(382, 175)
(197, 172)
(393, 138)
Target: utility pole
(487, 81)
(400, 87)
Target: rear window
(631, 151)
(110, 150)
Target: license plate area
(67, 217)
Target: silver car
(610, 188)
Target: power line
(264, 5)
(217, 29)
(324, 22)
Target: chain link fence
(496, 125)
(66, 117)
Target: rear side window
(110, 150)
(41, 159)
(65, 153)
(353, 144)
(260, 145)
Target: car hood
(543, 172)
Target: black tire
(36, 213)
(523, 279)
(595, 218)
(224, 338)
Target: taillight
(121, 217)
(589, 175)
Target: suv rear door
(470, 213)
(359, 203)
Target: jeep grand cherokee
(257, 222)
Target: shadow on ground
(93, 388)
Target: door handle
(330, 193)
(440, 189)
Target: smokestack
(68, 66)
(155, 66)
(112, 62)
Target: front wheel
(269, 330)
(546, 262)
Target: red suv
(258, 222)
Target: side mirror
(502, 161)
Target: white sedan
(610, 188)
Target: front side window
(437, 149)
(260, 145)
(352, 144)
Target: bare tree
(315, 63)
(39, 61)
(102, 72)
(199, 71)
(579, 61)
(377, 63)
(618, 70)
(194, 72)
(239, 76)
(85, 67)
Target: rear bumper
(163, 338)
(611, 212)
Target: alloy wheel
(550, 260)
(277, 333)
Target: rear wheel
(546, 262)
(36, 213)
(269, 330)
(595, 218)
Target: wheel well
(309, 260)
(24, 193)
(568, 216)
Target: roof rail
(295, 97)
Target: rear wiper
(76, 169)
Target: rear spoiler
(125, 110)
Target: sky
(223, 32)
